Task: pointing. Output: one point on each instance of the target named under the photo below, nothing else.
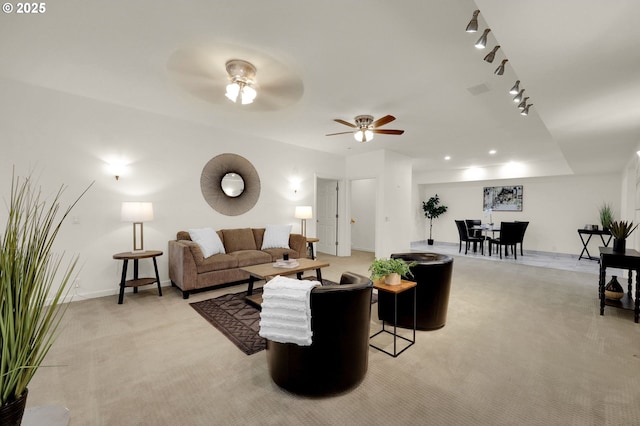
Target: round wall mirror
(232, 184)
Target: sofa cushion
(208, 240)
(217, 262)
(276, 236)
(276, 253)
(238, 239)
(251, 257)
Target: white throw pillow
(276, 236)
(208, 240)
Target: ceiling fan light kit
(365, 127)
(242, 78)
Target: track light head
(482, 41)
(491, 55)
(525, 111)
(523, 104)
(518, 97)
(500, 69)
(472, 27)
(516, 88)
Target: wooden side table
(396, 289)
(310, 250)
(136, 281)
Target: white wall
(66, 139)
(555, 206)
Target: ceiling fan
(366, 127)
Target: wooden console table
(629, 260)
(591, 233)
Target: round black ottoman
(433, 275)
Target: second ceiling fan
(365, 127)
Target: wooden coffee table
(266, 271)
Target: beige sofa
(190, 271)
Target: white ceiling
(578, 60)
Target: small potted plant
(391, 270)
(620, 230)
(432, 210)
(606, 215)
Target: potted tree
(620, 230)
(31, 308)
(391, 270)
(432, 210)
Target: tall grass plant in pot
(31, 306)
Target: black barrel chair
(432, 272)
(338, 357)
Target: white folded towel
(286, 310)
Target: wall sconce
(295, 185)
(116, 168)
(137, 212)
(303, 213)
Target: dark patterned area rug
(237, 319)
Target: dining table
(485, 228)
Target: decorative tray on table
(281, 263)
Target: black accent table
(395, 290)
(136, 281)
(629, 260)
(591, 233)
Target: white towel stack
(286, 310)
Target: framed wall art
(502, 198)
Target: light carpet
(523, 345)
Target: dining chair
(463, 233)
(523, 229)
(474, 232)
(510, 235)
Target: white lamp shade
(133, 211)
(303, 212)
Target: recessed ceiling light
(492, 152)
(448, 157)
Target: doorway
(363, 214)
(327, 216)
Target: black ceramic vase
(613, 290)
(619, 245)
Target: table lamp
(303, 213)
(137, 212)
